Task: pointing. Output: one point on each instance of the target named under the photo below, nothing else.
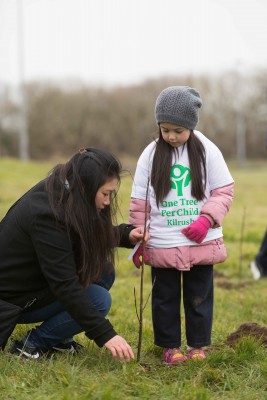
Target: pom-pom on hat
(178, 105)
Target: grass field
(229, 372)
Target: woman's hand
(136, 235)
(119, 347)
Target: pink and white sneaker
(173, 356)
(196, 354)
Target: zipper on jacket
(218, 243)
(30, 303)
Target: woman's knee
(106, 303)
(100, 297)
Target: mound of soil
(248, 329)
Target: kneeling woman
(56, 257)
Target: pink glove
(138, 255)
(198, 230)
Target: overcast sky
(126, 41)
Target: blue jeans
(58, 326)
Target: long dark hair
(162, 163)
(72, 189)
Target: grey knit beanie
(178, 105)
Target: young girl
(190, 191)
(56, 258)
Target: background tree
(63, 117)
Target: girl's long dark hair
(72, 189)
(162, 163)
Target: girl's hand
(136, 235)
(138, 256)
(198, 230)
(119, 347)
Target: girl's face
(102, 198)
(175, 135)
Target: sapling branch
(141, 308)
(135, 305)
(150, 292)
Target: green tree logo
(180, 178)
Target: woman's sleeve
(123, 232)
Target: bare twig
(135, 305)
(141, 309)
(150, 292)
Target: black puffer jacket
(36, 258)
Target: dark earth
(248, 328)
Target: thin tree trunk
(141, 309)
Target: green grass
(238, 372)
